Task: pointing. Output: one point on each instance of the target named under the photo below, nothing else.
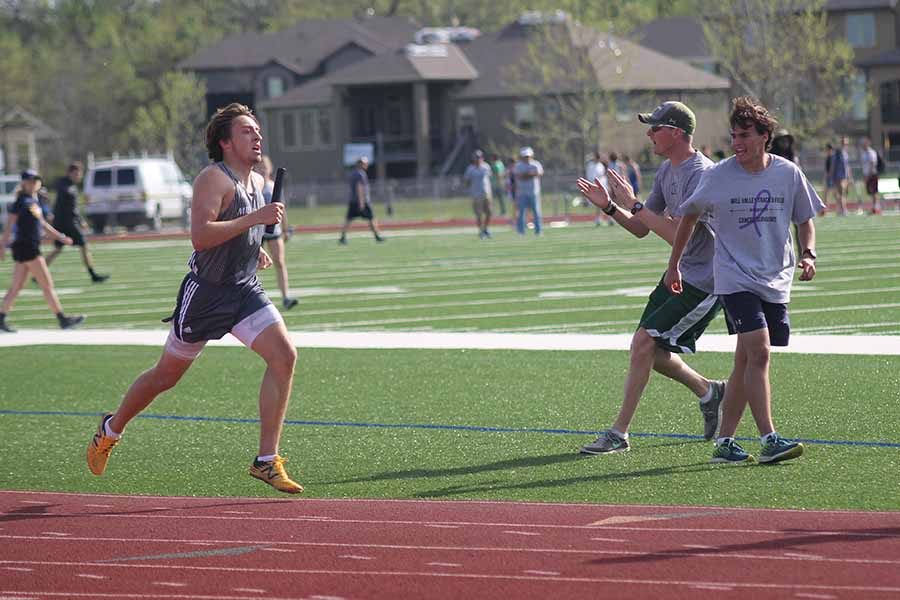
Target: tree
(782, 53)
(569, 74)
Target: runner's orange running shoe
(273, 473)
(100, 447)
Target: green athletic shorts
(676, 322)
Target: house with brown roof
(870, 27)
(419, 108)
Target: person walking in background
(634, 175)
(511, 189)
(498, 181)
(528, 173)
(275, 237)
(752, 198)
(27, 219)
(829, 181)
(841, 175)
(478, 178)
(222, 294)
(360, 202)
(68, 220)
(595, 170)
(783, 146)
(868, 157)
(670, 325)
(613, 164)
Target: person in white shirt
(869, 159)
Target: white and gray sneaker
(607, 443)
(712, 410)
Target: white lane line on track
(19, 569)
(535, 572)
(613, 540)
(443, 564)
(356, 557)
(809, 344)
(57, 533)
(169, 583)
(91, 576)
(487, 549)
(815, 596)
(511, 532)
(768, 586)
(249, 590)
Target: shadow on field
(493, 486)
(500, 465)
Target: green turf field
(459, 423)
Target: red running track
(100, 546)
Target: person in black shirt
(360, 204)
(68, 220)
(26, 217)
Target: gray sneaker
(607, 443)
(712, 410)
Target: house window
(524, 114)
(861, 30)
(325, 127)
(624, 114)
(890, 102)
(306, 129)
(363, 121)
(274, 87)
(859, 102)
(288, 131)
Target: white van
(134, 191)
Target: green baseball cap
(673, 114)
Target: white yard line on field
(801, 344)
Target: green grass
(446, 281)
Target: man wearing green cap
(670, 324)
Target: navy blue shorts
(23, 252)
(206, 311)
(746, 312)
(71, 230)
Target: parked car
(8, 185)
(134, 191)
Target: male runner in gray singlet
(222, 294)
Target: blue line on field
(477, 428)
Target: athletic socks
(769, 437)
(109, 432)
(266, 458)
(723, 440)
(708, 395)
(624, 436)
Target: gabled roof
(445, 62)
(436, 62)
(679, 37)
(19, 117)
(303, 46)
(617, 64)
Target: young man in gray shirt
(752, 197)
(670, 324)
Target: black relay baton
(276, 193)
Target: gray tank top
(234, 262)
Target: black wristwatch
(638, 207)
(808, 252)
(611, 208)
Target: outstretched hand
(621, 188)
(594, 192)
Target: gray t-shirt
(671, 187)
(479, 179)
(528, 185)
(751, 214)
